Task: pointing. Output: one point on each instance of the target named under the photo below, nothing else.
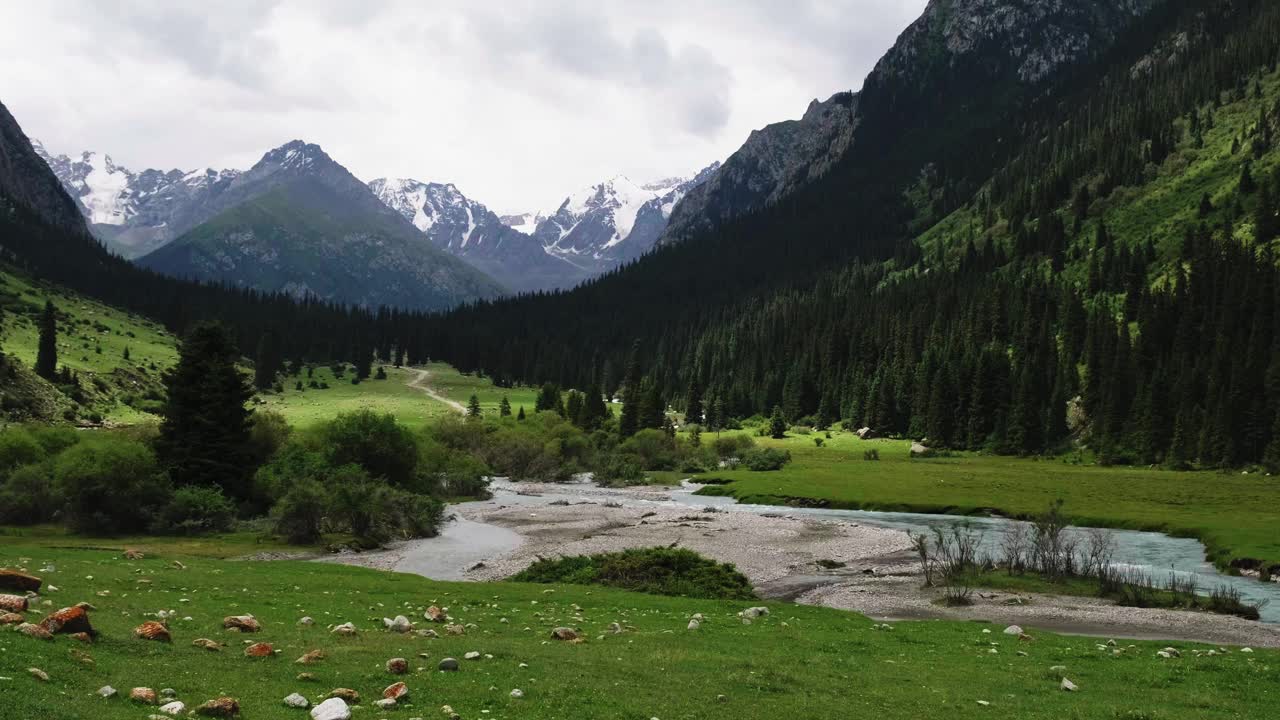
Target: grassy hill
(799, 661)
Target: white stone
(294, 700)
(331, 709)
(473, 655)
(306, 621)
(174, 708)
(107, 691)
(1013, 630)
(517, 693)
(1068, 685)
(400, 624)
(384, 703)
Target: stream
(466, 542)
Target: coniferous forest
(968, 274)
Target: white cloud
(517, 102)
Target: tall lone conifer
(47, 352)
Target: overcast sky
(517, 102)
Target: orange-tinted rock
(144, 695)
(207, 644)
(22, 582)
(68, 620)
(11, 618)
(223, 707)
(13, 603)
(311, 658)
(435, 614)
(83, 637)
(397, 666)
(243, 623)
(396, 691)
(347, 694)
(259, 650)
(152, 630)
(35, 631)
(566, 634)
(131, 554)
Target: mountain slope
(469, 230)
(298, 222)
(25, 179)
(135, 213)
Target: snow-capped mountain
(614, 221)
(469, 230)
(135, 212)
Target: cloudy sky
(518, 102)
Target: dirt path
(420, 383)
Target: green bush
(659, 571)
(727, 446)
(28, 497)
(268, 432)
(377, 443)
(110, 485)
(18, 447)
(375, 512)
(194, 511)
(766, 459)
(652, 449)
(300, 513)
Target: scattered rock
(305, 677)
(131, 554)
(400, 624)
(223, 707)
(67, 621)
(448, 665)
(82, 637)
(346, 694)
(173, 708)
(428, 633)
(1013, 630)
(311, 657)
(38, 674)
(22, 582)
(207, 644)
(243, 623)
(11, 618)
(1068, 686)
(107, 691)
(294, 700)
(260, 650)
(473, 655)
(1173, 652)
(615, 628)
(345, 629)
(144, 695)
(13, 603)
(331, 709)
(152, 630)
(752, 613)
(454, 630)
(435, 614)
(384, 703)
(566, 634)
(168, 693)
(397, 666)
(35, 631)
(396, 691)
(517, 693)
(694, 624)
(307, 621)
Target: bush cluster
(659, 571)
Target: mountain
(612, 222)
(134, 213)
(26, 180)
(467, 229)
(298, 222)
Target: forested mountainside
(1105, 231)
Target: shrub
(374, 512)
(732, 445)
(28, 497)
(766, 459)
(653, 449)
(377, 443)
(872, 454)
(620, 470)
(299, 515)
(194, 511)
(268, 432)
(660, 571)
(18, 447)
(111, 486)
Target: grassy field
(452, 384)
(1235, 515)
(798, 662)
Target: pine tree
(47, 351)
(652, 411)
(520, 415)
(204, 438)
(267, 362)
(573, 407)
(504, 407)
(777, 424)
(593, 410)
(473, 408)
(693, 403)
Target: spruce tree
(520, 415)
(777, 424)
(504, 407)
(693, 403)
(47, 351)
(652, 407)
(473, 407)
(267, 363)
(204, 438)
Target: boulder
(223, 707)
(400, 624)
(21, 582)
(436, 615)
(384, 703)
(173, 708)
(11, 618)
(694, 624)
(307, 621)
(454, 630)
(294, 700)
(331, 709)
(106, 691)
(144, 695)
(346, 694)
(920, 450)
(396, 691)
(260, 650)
(207, 644)
(473, 655)
(67, 621)
(867, 433)
(152, 630)
(615, 628)
(752, 613)
(1068, 686)
(132, 554)
(243, 623)
(13, 603)
(566, 634)
(448, 665)
(517, 693)
(38, 674)
(1013, 630)
(344, 629)
(35, 631)
(311, 657)
(397, 666)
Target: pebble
(473, 655)
(517, 693)
(1068, 686)
(107, 691)
(39, 674)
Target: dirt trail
(420, 383)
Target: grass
(1235, 515)
(307, 408)
(799, 661)
(447, 381)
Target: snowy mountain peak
(295, 155)
(449, 218)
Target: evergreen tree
(593, 410)
(267, 362)
(652, 410)
(47, 350)
(573, 407)
(204, 437)
(693, 402)
(504, 407)
(473, 407)
(520, 415)
(777, 424)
